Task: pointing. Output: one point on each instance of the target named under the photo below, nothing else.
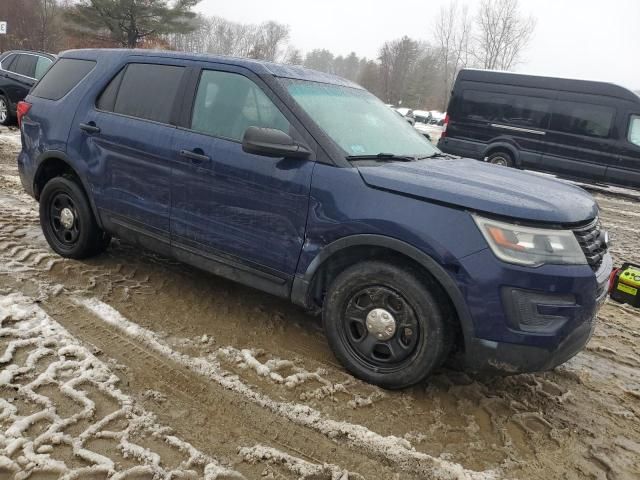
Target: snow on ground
(45, 367)
(399, 451)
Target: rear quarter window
(60, 79)
(519, 110)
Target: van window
(42, 65)
(228, 103)
(582, 119)
(531, 112)
(634, 130)
(60, 79)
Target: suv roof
(259, 67)
(554, 83)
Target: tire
(5, 114)
(73, 233)
(421, 339)
(502, 158)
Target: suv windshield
(357, 121)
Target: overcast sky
(592, 39)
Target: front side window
(582, 119)
(634, 130)
(147, 91)
(42, 65)
(357, 121)
(227, 104)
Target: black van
(574, 128)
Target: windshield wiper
(437, 155)
(383, 156)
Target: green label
(627, 289)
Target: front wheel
(67, 220)
(385, 325)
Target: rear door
(627, 171)
(581, 139)
(228, 205)
(21, 77)
(127, 137)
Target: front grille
(592, 241)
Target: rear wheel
(385, 324)
(5, 114)
(67, 220)
(502, 158)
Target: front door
(127, 138)
(228, 205)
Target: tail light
(21, 110)
(446, 124)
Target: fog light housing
(536, 312)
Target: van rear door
(580, 140)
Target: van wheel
(385, 324)
(5, 114)
(501, 158)
(67, 221)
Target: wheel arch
(307, 286)
(53, 164)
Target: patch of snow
(305, 470)
(24, 325)
(396, 450)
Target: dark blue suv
(306, 186)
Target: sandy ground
(133, 366)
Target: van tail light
(21, 110)
(446, 124)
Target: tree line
(406, 71)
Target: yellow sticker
(627, 289)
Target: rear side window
(144, 91)
(228, 103)
(65, 74)
(528, 112)
(25, 65)
(42, 65)
(582, 119)
(634, 130)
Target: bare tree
(397, 59)
(452, 33)
(503, 33)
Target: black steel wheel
(381, 328)
(67, 220)
(386, 324)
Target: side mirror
(270, 142)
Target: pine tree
(128, 22)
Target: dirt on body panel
(581, 420)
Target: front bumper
(501, 344)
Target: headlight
(530, 246)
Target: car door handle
(90, 128)
(195, 157)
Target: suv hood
(485, 188)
